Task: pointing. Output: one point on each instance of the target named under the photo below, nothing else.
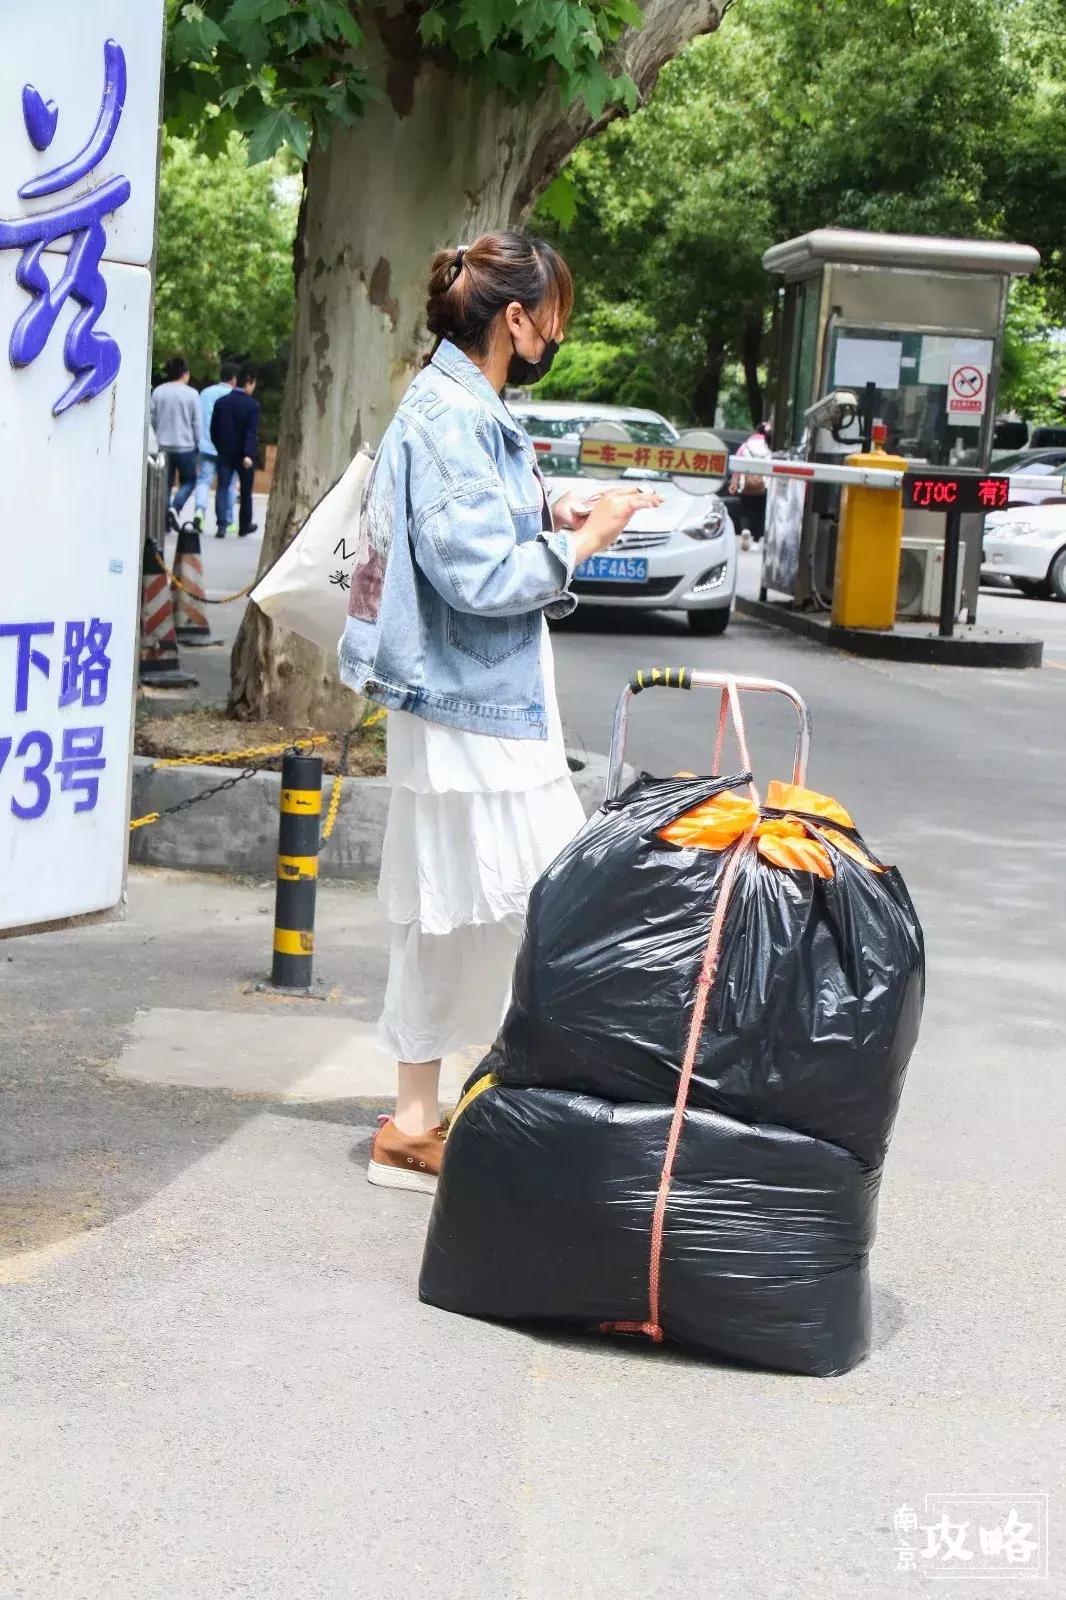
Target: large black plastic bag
(544, 1212)
(816, 1004)
(545, 1203)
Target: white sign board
(967, 391)
(79, 134)
(862, 361)
(941, 353)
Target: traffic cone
(190, 623)
(160, 664)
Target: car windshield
(557, 441)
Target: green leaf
(195, 36)
(258, 11)
(482, 15)
(277, 127)
(337, 16)
(559, 200)
(628, 93)
(595, 88)
(432, 28)
(628, 12)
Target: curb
(237, 831)
(973, 647)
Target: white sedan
(678, 556)
(1028, 545)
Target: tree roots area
(212, 733)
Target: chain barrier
(223, 758)
(304, 745)
(197, 594)
(193, 799)
(334, 805)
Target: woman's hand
(571, 510)
(609, 516)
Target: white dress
(474, 819)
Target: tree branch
(642, 52)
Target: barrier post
(869, 542)
(297, 871)
(949, 578)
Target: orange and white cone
(190, 622)
(160, 664)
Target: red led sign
(935, 490)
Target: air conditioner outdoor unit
(921, 569)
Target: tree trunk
(707, 390)
(750, 352)
(435, 161)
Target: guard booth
(893, 329)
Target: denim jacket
(455, 564)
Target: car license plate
(613, 569)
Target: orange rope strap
(704, 984)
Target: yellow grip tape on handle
(661, 677)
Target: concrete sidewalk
(218, 1380)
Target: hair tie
(457, 264)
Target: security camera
(834, 410)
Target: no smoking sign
(967, 390)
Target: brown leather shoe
(404, 1160)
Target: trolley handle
(688, 678)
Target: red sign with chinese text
(936, 490)
(620, 454)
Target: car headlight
(713, 525)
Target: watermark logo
(974, 1536)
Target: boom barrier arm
(865, 477)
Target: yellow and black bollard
(298, 841)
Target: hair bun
(469, 284)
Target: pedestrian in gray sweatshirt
(176, 419)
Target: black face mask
(521, 372)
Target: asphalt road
(217, 1380)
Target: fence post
(297, 871)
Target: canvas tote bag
(306, 590)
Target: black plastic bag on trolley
(681, 1128)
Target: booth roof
(803, 256)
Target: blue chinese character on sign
(86, 663)
(81, 761)
(28, 656)
(91, 356)
(34, 772)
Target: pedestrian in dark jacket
(235, 435)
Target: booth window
(911, 372)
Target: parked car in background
(677, 556)
(1028, 545)
(1046, 463)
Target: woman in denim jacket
(459, 562)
